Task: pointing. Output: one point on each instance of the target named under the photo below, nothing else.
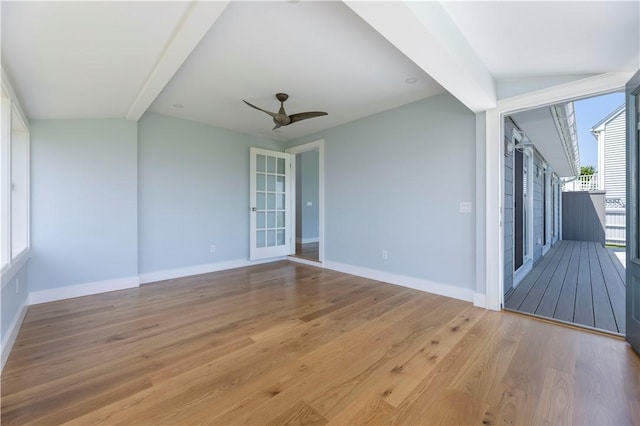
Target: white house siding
(611, 135)
(614, 157)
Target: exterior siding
(614, 157)
(537, 176)
(538, 206)
(508, 212)
(555, 214)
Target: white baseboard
(168, 274)
(79, 290)
(12, 333)
(479, 300)
(403, 280)
(317, 264)
(307, 240)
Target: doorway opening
(308, 202)
(564, 209)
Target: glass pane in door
(269, 203)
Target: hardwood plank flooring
(576, 281)
(285, 343)
(309, 251)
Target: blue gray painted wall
(83, 202)
(307, 191)
(193, 193)
(13, 298)
(394, 181)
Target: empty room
(298, 212)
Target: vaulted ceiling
(198, 60)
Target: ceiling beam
(196, 22)
(425, 33)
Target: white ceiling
(320, 53)
(118, 59)
(534, 38)
(83, 59)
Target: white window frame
(547, 202)
(527, 249)
(11, 109)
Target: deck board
(567, 298)
(602, 312)
(583, 313)
(549, 301)
(614, 284)
(522, 290)
(619, 267)
(579, 282)
(532, 302)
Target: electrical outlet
(385, 255)
(212, 248)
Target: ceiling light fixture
(411, 80)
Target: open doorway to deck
(567, 212)
(308, 202)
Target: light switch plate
(465, 207)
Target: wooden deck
(578, 282)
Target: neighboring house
(610, 135)
(542, 147)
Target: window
(14, 181)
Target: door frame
(317, 145)
(527, 213)
(267, 252)
(491, 232)
(632, 93)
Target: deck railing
(583, 183)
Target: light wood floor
(576, 281)
(309, 251)
(289, 343)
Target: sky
(589, 112)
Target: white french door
(269, 218)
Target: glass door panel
(269, 194)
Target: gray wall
(83, 202)
(193, 193)
(307, 190)
(583, 216)
(394, 182)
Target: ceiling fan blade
(272, 114)
(305, 115)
